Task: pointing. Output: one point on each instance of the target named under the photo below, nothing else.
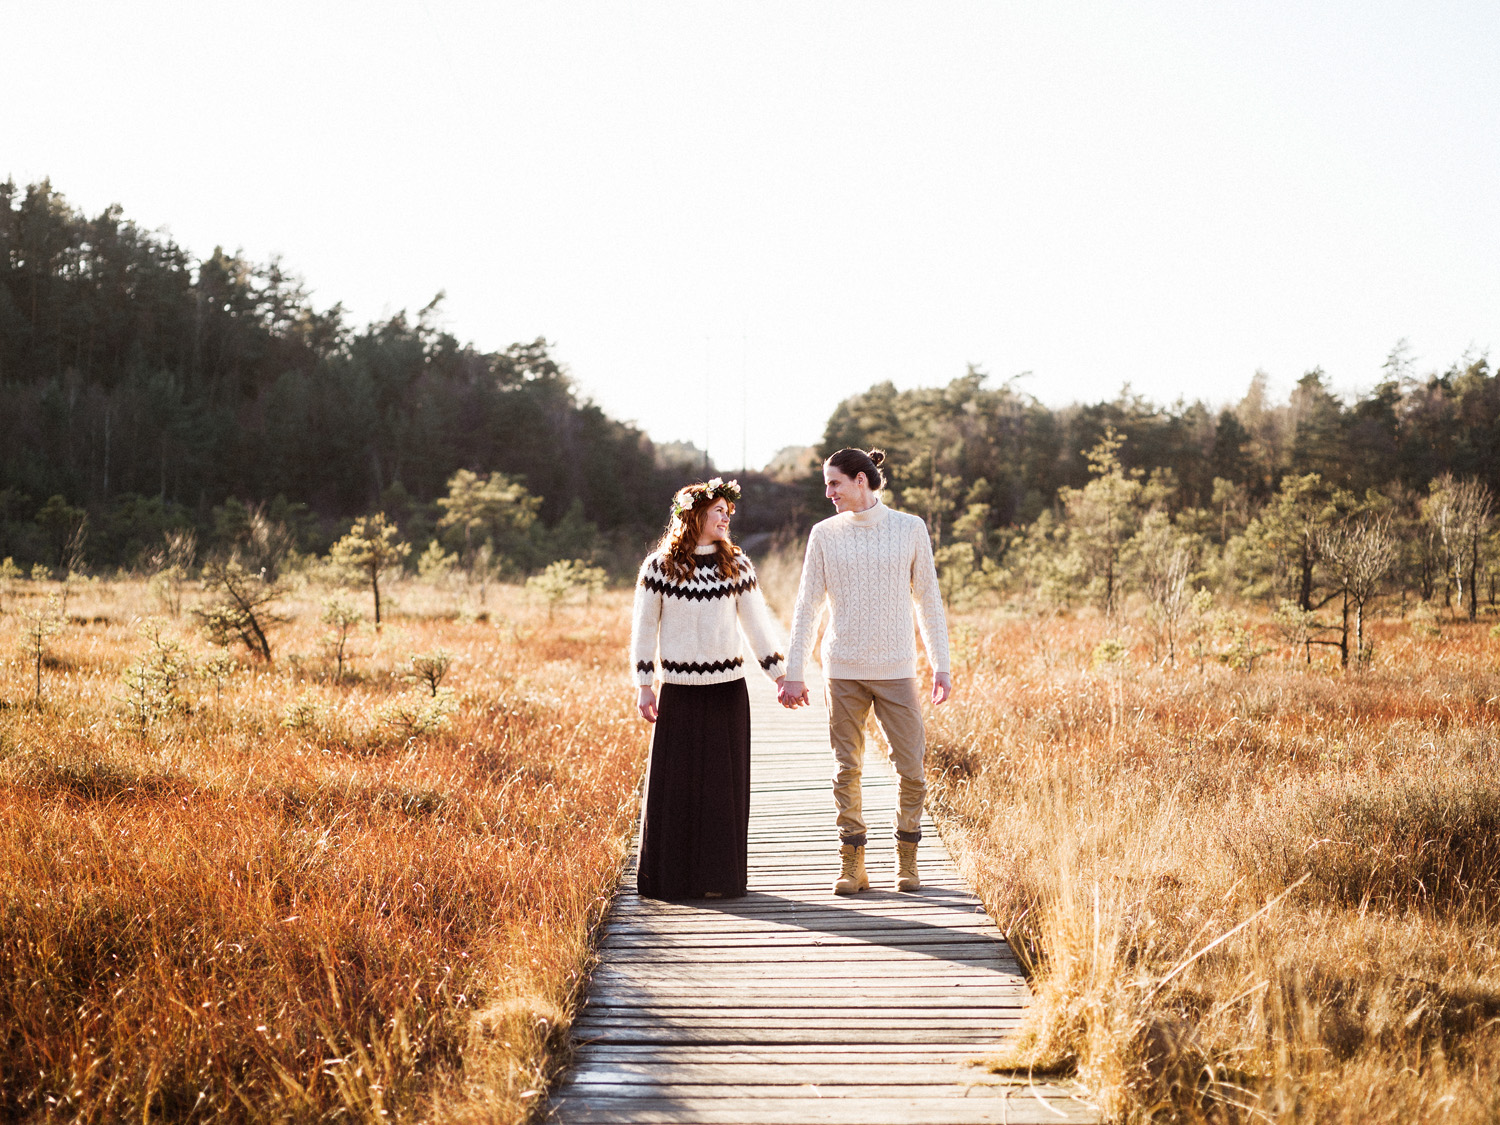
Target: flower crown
(687, 497)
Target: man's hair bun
(858, 462)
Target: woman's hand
(647, 704)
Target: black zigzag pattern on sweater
(697, 669)
(772, 659)
(671, 589)
(644, 666)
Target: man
(872, 566)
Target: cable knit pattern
(691, 630)
(872, 568)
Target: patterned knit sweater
(871, 568)
(695, 625)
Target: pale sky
(705, 204)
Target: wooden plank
(788, 922)
(720, 1088)
(848, 961)
(933, 988)
(944, 1087)
(987, 1037)
(956, 953)
(1019, 1108)
(813, 916)
(892, 937)
(965, 927)
(976, 1019)
(786, 1002)
(876, 931)
(844, 967)
(816, 911)
(915, 1014)
(702, 979)
(849, 1073)
(809, 913)
(912, 1054)
(830, 974)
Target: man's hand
(792, 693)
(942, 687)
(647, 704)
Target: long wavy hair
(681, 538)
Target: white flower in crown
(687, 497)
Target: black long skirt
(696, 822)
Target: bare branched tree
(1358, 552)
(1171, 599)
(1461, 511)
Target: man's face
(849, 494)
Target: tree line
(142, 388)
(1315, 506)
(1014, 454)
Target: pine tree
(372, 547)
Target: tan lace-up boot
(907, 878)
(852, 877)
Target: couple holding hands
(872, 567)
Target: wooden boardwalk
(793, 1005)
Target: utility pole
(708, 397)
(744, 406)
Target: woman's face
(715, 522)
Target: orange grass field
(1244, 896)
(278, 904)
(1263, 896)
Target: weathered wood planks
(793, 1006)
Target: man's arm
(932, 623)
(811, 592)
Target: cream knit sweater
(871, 567)
(695, 625)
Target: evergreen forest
(142, 388)
(150, 397)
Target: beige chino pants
(898, 710)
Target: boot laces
(851, 864)
(907, 860)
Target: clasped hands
(793, 693)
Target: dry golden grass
(1248, 896)
(277, 903)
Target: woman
(695, 594)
